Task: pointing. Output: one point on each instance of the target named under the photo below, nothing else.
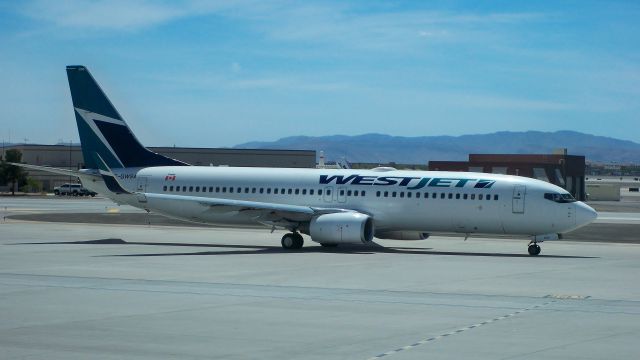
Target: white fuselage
(423, 201)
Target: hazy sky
(206, 73)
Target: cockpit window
(559, 198)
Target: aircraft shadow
(354, 249)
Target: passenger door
(519, 193)
(141, 188)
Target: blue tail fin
(102, 129)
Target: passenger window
(164, 188)
(304, 191)
(464, 196)
(230, 189)
(488, 197)
(426, 195)
(310, 191)
(319, 191)
(442, 196)
(171, 188)
(348, 192)
(328, 191)
(479, 196)
(224, 189)
(393, 194)
(253, 190)
(297, 192)
(434, 195)
(450, 196)
(377, 193)
(417, 195)
(457, 196)
(401, 194)
(473, 196)
(261, 190)
(239, 190)
(211, 189)
(197, 188)
(290, 191)
(217, 189)
(268, 190)
(495, 197)
(355, 192)
(363, 193)
(184, 189)
(246, 190)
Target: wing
(80, 174)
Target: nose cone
(584, 214)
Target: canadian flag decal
(170, 177)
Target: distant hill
(419, 150)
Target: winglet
(110, 180)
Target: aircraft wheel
(328, 245)
(292, 241)
(534, 249)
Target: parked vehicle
(73, 190)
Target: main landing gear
(292, 241)
(534, 248)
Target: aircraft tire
(292, 241)
(534, 249)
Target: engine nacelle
(402, 235)
(342, 228)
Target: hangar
(70, 157)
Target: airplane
(331, 206)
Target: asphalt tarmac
(147, 290)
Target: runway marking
(459, 331)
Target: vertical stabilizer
(103, 131)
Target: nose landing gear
(534, 248)
(292, 241)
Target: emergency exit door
(519, 193)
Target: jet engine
(342, 228)
(402, 235)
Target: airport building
(70, 157)
(566, 171)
